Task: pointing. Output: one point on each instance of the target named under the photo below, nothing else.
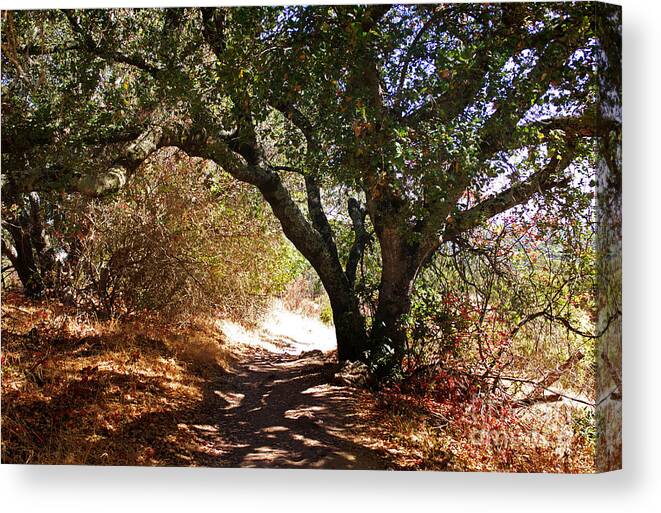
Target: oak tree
(428, 119)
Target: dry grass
(421, 434)
(77, 391)
(143, 392)
(303, 298)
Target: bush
(180, 238)
(326, 314)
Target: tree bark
(348, 320)
(608, 447)
(30, 252)
(399, 268)
(23, 260)
(349, 327)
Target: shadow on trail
(275, 411)
(287, 415)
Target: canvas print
(378, 236)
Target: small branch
(565, 322)
(555, 375)
(409, 53)
(361, 238)
(532, 382)
(552, 398)
(104, 53)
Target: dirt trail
(280, 409)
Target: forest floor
(218, 393)
(135, 394)
(283, 409)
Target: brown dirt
(270, 411)
(75, 392)
(280, 411)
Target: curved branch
(20, 139)
(576, 127)
(312, 188)
(307, 239)
(518, 194)
(28, 179)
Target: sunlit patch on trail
(233, 398)
(282, 332)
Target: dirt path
(279, 409)
(282, 412)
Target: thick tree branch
(317, 214)
(9, 251)
(213, 27)
(312, 188)
(576, 127)
(17, 140)
(27, 179)
(373, 15)
(518, 194)
(295, 226)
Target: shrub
(180, 238)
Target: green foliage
(584, 424)
(425, 113)
(383, 362)
(326, 314)
(435, 325)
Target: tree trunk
(31, 254)
(349, 321)
(43, 250)
(24, 262)
(349, 329)
(399, 269)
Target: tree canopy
(425, 121)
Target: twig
(555, 375)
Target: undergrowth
(79, 391)
(140, 391)
(465, 429)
